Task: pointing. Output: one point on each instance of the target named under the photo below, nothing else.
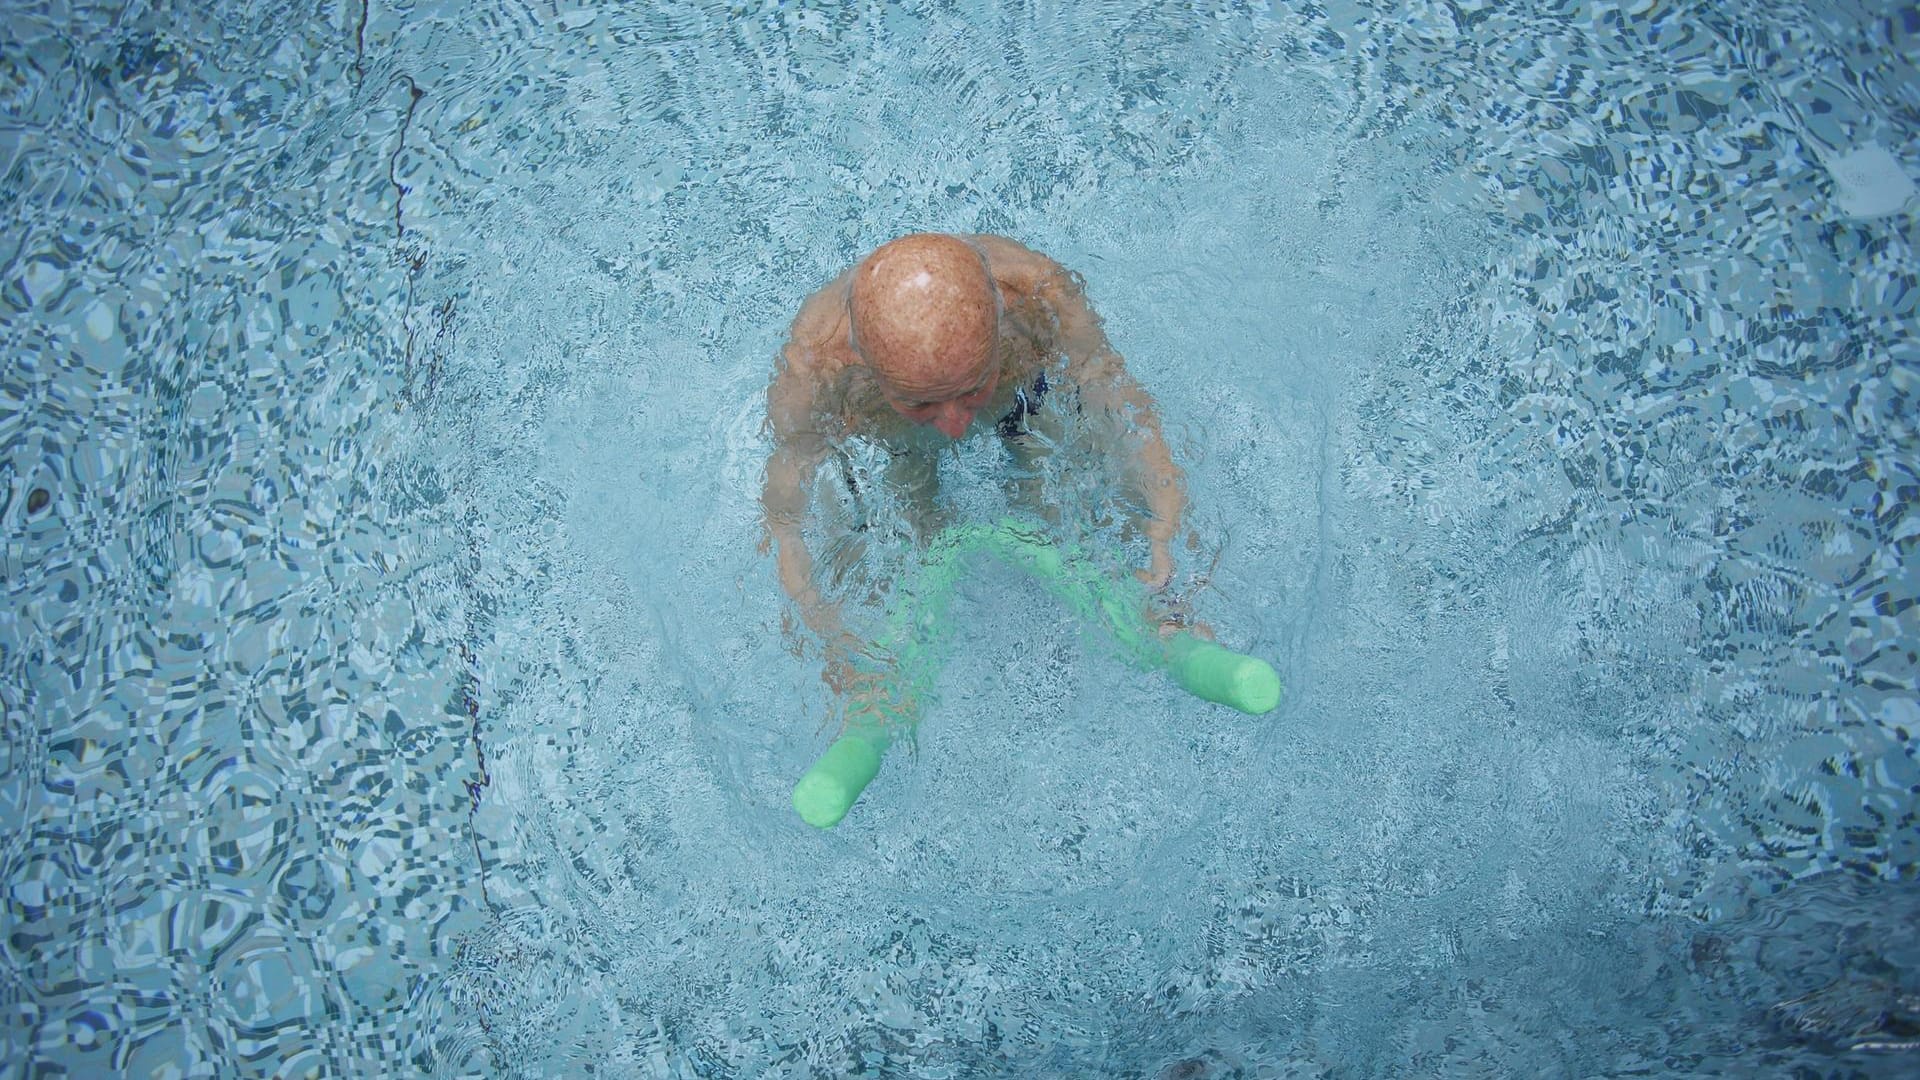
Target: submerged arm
(798, 451)
(1104, 383)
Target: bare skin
(941, 331)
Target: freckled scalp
(925, 313)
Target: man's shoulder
(818, 344)
(1016, 266)
(996, 245)
(1007, 254)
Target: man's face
(949, 414)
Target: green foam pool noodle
(917, 631)
(1222, 676)
(828, 790)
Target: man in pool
(928, 334)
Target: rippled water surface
(392, 683)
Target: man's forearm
(1161, 483)
(820, 615)
(783, 502)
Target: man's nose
(952, 420)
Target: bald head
(926, 315)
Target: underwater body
(393, 683)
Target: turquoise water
(392, 684)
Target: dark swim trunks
(1026, 402)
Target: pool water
(393, 684)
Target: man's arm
(798, 449)
(1104, 383)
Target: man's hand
(837, 668)
(1174, 614)
(869, 696)
(1159, 573)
